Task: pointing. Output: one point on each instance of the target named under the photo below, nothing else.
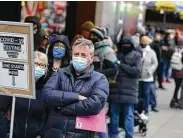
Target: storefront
(52, 14)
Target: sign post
(12, 116)
(16, 63)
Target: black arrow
(13, 81)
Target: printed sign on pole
(17, 59)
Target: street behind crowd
(168, 122)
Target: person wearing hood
(36, 30)
(58, 53)
(126, 95)
(149, 66)
(31, 116)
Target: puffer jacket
(104, 51)
(61, 95)
(150, 64)
(128, 78)
(30, 117)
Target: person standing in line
(167, 51)
(126, 93)
(44, 39)
(156, 46)
(177, 73)
(102, 47)
(58, 54)
(31, 116)
(36, 30)
(105, 59)
(76, 90)
(149, 66)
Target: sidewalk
(168, 123)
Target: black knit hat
(98, 33)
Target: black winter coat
(128, 78)
(156, 46)
(107, 67)
(30, 115)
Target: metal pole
(12, 116)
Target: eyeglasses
(60, 45)
(43, 66)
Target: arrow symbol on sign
(13, 81)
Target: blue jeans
(103, 135)
(166, 68)
(153, 100)
(128, 119)
(144, 90)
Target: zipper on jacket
(26, 124)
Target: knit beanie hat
(88, 25)
(98, 33)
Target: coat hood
(59, 38)
(126, 39)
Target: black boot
(155, 109)
(174, 104)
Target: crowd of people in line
(79, 78)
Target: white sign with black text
(13, 46)
(14, 75)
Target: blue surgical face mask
(79, 63)
(58, 53)
(44, 25)
(39, 72)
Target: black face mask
(143, 45)
(126, 49)
(94, 40)
(157, 41)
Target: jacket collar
(69, 71)
(148, 48)
(100, 44)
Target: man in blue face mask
(76, 90)
(82, 57)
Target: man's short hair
(84, 42)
